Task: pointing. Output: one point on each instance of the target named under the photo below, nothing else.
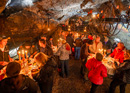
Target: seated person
(118, 53)
(107, 45)
(31, 49)
(16, 83)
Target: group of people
(80, 48)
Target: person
(107, 45)
(118, 53)
(96, 71)
(70, 40)
(83, 37)
(97, 44)
(47, 72)
(31, 49)
(63, 52)
(17, 83)
(122, 77)
(84, 53)
(4, 51)
(45, 48)
(50, 42)
(78, 43)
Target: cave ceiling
(28, 18)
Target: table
(108, 63)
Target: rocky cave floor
(75, 84)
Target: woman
(63, 53)
(118, 53)
(96, 71)
(122, 78)
(47, 71)
(16, 83)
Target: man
(107, 45)
(70, 40)
(45, 48)
(78, 43)
(97, 44)
(118, 53)
(83, 56)
(4, 51)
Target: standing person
(96, 71)
(64, 52)
(97, 44)
(78, 43)
(50, 42)
(17, 83)
(118, 53)
(107, 45)
(45, 48)
(122, 77)
(83, 56)
(70, 40)
(47, 72)
(4, 51)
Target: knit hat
(99, 56)
(13, 69)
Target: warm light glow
(98, 15)
(85, 30)
(101, 11)
(94, 16)
(129, 6)
(25, 51)
(48, 29)
(19, 52)
(117, 7)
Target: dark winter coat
(70, 40)
(47, 50)
(4, 56)
(78, 42)
(46, 75)
(107, 45)
(18, 84)
(124, 71)
(84, 52)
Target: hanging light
(117, 7)
(48, 29)
(93, 15)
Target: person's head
(41, 59)
(43, 37)
(127, 54)
(42, 43)
(120, 45)
(106, 39)
(13, 69)
(51, 38)
(27, 45)
(62, 33)
(89, 42)
(98, 39)
(4, 40)
(99, 56)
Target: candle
(26, 54)
(19, 55)
(23, 53)
(105, 51)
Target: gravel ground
(75, 84)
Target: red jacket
(96, 71)
(118, 54)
